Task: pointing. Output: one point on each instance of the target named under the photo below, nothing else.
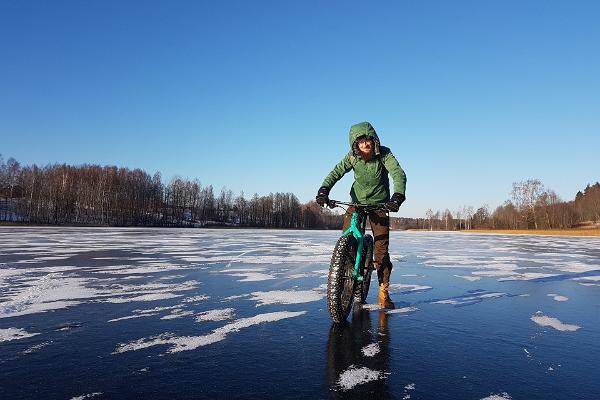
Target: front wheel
(340, 283)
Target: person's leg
(380, 224)
(347, 219)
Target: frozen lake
(106, 313)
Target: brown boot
(384, 297)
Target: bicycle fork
(358, 235)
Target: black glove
(395, 202)
(322, 196)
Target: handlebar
(358, 206)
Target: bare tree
(429, 214)
(525, 195)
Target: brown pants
(380, 224)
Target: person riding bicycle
(371, 163)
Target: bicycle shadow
(346, 359)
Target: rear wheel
(361, 289)
(340, 284)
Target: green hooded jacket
(371, 182)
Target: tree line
(61, 194)
(531, 206)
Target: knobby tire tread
(340, 269)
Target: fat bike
(351, 263)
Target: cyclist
(371, 163)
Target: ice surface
(169, 288)
(6, 335)
(354, 376)
(544, 320)
(471, 298)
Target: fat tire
(340, 285)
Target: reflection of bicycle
(351, 263)
(346, 350)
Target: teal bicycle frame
(358, 235)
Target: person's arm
(396, 171)
(337, 172)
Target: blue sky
(259, 96)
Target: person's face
(366, 145)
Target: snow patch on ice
(558, 297)
(215, 315)
(407, 389)
(155, 309)
(526, 276)
(405, 288)
(544, 320)
(194, 299)
(471, 298)
(86, 396)
(144, 297)
(236, 297)
(236, 270)
(177, 313)
(132, 317)
(588, 278)
(37, 347)
(354, 376)
(371, 307)
(370, 350)
(469, 277)
(187, 343)
(6, 335)
(51, 292)
(501, 396)
(403, 310)
(286, 297)
(253, 276)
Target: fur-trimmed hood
(359, 130)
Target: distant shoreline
(532, 232)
